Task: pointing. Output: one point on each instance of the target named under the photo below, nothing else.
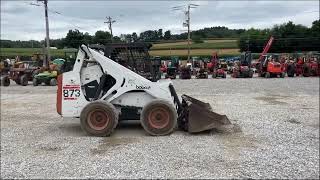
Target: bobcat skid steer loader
(101, 92)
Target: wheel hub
(98, 119)
(159, 118)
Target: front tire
(158, 118)
(267, 75)
(53, 82)
(99, 118)
(35, 82)
(5, 81)
(24, 80)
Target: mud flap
(197, 116)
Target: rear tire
(158, 118)
(267, 75)
(250, 74)
(290, 70)
(306, 71)
(99, 118)
(53, 82)
(35, 82)
(24, 80)
(5, 81)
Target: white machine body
(125, 88)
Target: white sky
(22, 21)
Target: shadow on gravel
(73, 129)
(112, 142)
(274, 100)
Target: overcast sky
(22, 21)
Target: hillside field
(224, 47)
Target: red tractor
(314, 65)
(215, 68)
(270, 66)
(242, 68)
(303, 66)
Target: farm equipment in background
(4, 72)
(172, 68)
(185, 72)
(102, 92)
(315, 65)
(49, 77)
(171, 72)
(242, 68)
(301, 66)
(134, 56)
(202, 72)
(23, 71)
(163, 68)
(216, 68)
(230, 65)
(270, 66)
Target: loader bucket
(197, 116)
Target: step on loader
(102, 92)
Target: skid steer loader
(101, 92)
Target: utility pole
(47, 59)
(110, 22)
(187, 23)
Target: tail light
(59, 95)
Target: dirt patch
(274, 100)
(293, 121)
(48, 149)
(72, 129)
(112, 142)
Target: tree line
(288, 37)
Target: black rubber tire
(17, 81)
(306, 71)
(169, 126)
(53, 82)
(282, 75)
(224, 75)
(102, 106)
(290, 70)
(5, 81)
(24, 80)
(267, 75)
(35, 82)
(250, 74)
(35, 72)
(214, 75)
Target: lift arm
(266, 48)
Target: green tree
(102, 37)
(196, 39)
(167, 35)
(160, 34)
(87, 38)
(134, 37)
(74, 39)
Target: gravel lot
(279, 137)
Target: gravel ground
(278, 136)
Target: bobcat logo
(142, 87)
